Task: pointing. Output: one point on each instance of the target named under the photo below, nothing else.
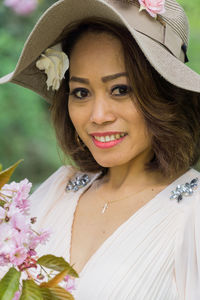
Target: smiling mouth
(109, 138)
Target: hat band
(156, 29)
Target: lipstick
(105, 140)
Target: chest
(91, 228)
(138, 251)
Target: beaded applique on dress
(186, 189)
(181, 190)
(77, 183)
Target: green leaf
(9, 284)
(46, 293)
(61, 293)
(30, 291)
(57, 264)
(1, 167)
(6, 174)
(56, 293)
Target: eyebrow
(104, 79)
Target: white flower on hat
(55, 63)
(153, 7)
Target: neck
(132, 176)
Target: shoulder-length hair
(172, 114)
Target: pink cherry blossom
(22, 7)
(40, 238)
(20, 223)
(18, 240)
(18, 255)
(17, 193)
(21, 239)
(6, 239)
(11, 210)
(4, 260)
(21, 197)
(9, 190)
(153, 7)
(44, 236)
(70, 283)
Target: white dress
(154, 255)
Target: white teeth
(102, 139)
(109, 138)
(112, 138)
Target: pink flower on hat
(22, 7)
(153, 7)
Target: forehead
(97, 38)
(97, 51)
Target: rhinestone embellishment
(77, 183)
(186, 189)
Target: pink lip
(105, 133)
(106, 145)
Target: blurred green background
(25, 127)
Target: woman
(127, 111)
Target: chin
(106, 165)
(109, 163)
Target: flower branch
(26, 272)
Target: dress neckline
(167, 190)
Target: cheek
(144, 135)
(139, 129)
(77, 117)
(73, 112)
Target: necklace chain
(105, 207)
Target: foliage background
(25, 127)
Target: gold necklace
(153, 189)
(105, 207)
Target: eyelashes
(122, 89)
(79, 93)
(116, 91)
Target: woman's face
(100, 104)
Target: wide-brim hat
(163, 39)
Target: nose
(102, 110)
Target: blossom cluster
(22, 7)
(17, 239)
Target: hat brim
(64, 12)
(6, 78)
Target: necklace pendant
(104, 208)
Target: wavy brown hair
(172, 114)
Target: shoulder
(61, 176)
(190, 181)
(189, 206)
(187, 250)
(64, 176)
(54, 188)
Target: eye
(79, 93)
(121, 90)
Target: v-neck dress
(154, 255)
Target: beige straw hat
(163, 39)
